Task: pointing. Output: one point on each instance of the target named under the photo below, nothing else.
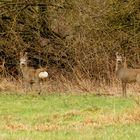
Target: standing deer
(30, 74)
(125, 74)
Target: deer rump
(34, 75)
(43, 74)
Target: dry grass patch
(57, 121)
(63, 85)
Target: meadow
(69, 117)
(76, 40)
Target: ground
(69, 117)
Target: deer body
(30, 74)
(128, 75)
(125, 74)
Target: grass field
(69, 117)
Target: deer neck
(24, 70)
(120, 67)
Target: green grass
(68, 117)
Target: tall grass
(64, 85)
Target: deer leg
(25, 85)
(38, 86)
(28, 86)
(31, 86)
(124, 88)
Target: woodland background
(76, 39)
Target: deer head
(120, 61)
(23, 59)
(119, 58)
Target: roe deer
(125, 74)
(30, 74)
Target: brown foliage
(69, 36)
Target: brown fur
(30, 74)
(125, 74)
